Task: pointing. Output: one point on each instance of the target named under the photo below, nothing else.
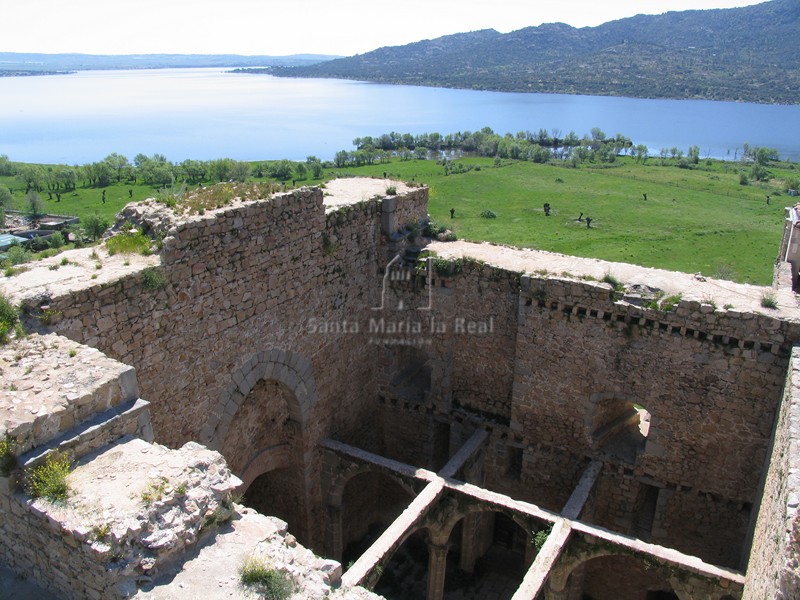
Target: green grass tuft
(269, 583)
(129, 242)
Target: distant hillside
(14, 63)
(743, 54)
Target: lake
(208, 113)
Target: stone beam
(537, 575)
(572, 509)
(378, 460)
(464, 453)
(662, 554)
(389, 541)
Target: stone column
(437, 566)
(470, 552)
(335, 542)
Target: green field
(694, 220)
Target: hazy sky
(269, 27)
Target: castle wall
(775, 553)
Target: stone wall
(775, 553)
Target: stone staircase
(140, 520)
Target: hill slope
(742, 54)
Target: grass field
(694, 220)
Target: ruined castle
(292, 377)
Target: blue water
(207, 113)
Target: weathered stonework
(355, 389)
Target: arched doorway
(263, 426)
(370, 502)
(619, 577)
(488, 556)
(259, 425)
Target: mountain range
(749, 54)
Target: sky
(268, 27)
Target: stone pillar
(437, 567)
(335, 542)
(470, 551)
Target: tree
(300, 170)
(95, 226)
(5, 200)
(694, 154)
(641, 153)
(315, 165)
(33, 176)
(118, 164)
(35, 205)
(240, 171)
(6, 166)
(341, 158)
(281, 170)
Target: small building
(9, 239)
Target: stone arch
(260, 424)
(290, 369)
(361, 504)
(569, 563)
(441, 534)
(263, 461)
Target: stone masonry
(299, 351)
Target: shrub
(391, 190)
(271, 584)
(540, 537)
(129, 242)
(7, 459)
(56, 240)
(153, 279)
(16, 255)
(9, 316)
(670, 302)
(613, 282)
(488, 214)
(49, 480)
(769, 300)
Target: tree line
(540, 147)
(153, 170)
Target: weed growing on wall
(153, 279)
(769, 300)
(269, 583)
(49, 479)
(8, 461)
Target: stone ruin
(291, 378)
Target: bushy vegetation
(129, 242)
(8, 461)
(49, 479)
(269, 583)
(9, 318)
(153, 279)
